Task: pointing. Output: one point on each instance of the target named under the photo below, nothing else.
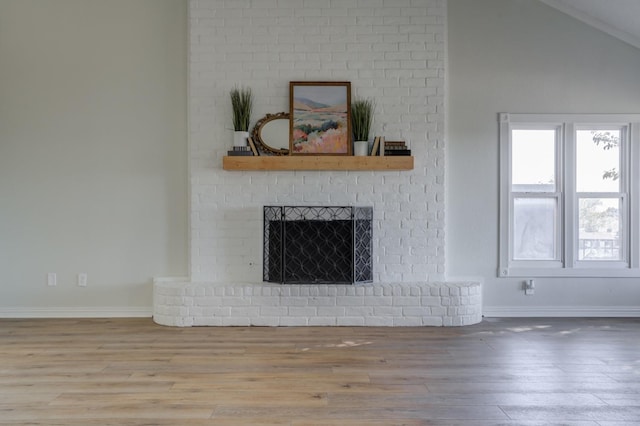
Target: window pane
(599, 229)
(533, 160)
(534, 228)
(598, 160)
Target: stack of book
(240, 150)
(383, 147)
(396, 148)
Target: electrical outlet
(82, 279)
(529, 287)
(51, 279)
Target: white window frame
(566, 263)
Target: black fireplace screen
(308, 245)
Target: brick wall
(391, 51)
(405, 304)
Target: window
(570, 194)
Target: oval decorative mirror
(271, 133)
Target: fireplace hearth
(317, 245)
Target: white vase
(361, 148)
(240, 138)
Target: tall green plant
(362, 118)
(242, 104)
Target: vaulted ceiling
(619, 18)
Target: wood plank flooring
(577, 372)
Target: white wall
(93, 125)
(92, 153)
(391, 51)
(522, 56)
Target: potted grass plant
(361, 121)
(241, 104)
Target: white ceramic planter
(240, 138)
(361, 148)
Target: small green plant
(242, 104)
(362, 118)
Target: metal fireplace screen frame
(313, 245)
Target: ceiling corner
(617, 18)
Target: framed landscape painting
(320, 120)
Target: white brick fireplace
(391, 51)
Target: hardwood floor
(574, 372)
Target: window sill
(568, 273)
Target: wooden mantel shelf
(317, 162)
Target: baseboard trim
(561, 311)
(75, 312)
